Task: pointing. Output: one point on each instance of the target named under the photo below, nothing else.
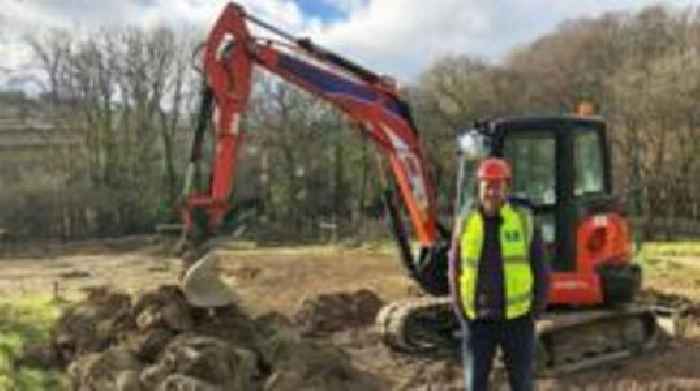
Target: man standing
(499, 281)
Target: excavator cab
(561, 169)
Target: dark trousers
(516, 337)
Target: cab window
(588, 162)
(532, 156)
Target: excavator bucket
(203, 286)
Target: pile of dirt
(157, 341)
(334, 312)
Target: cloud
(20, 17)
(395, 35)
(403, 37)
(87, 14)
(398, 37)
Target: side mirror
(472, 145)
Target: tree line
(130, 96)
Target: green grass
(658, 260)
(24, 321)
(660, 249)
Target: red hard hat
(494, 169)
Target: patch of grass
(658, 255)
(690, 248)
(670, 266)
(652, 261)
(675, 266)
(25, 321)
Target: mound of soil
(330, 313)
(157, 341)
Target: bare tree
(127, 94)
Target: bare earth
(279, 279)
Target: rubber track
(395, 324)
(393, 320)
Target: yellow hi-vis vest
(515, 237)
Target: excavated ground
(303, 322)
(156, 341)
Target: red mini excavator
(561, 170)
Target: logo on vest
(512, 236)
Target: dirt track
(279, 279)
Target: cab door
(533, 150)
(560, 165)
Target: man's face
(492, 195)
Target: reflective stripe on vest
(515, 238)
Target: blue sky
(326, 11)
(397, 37)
